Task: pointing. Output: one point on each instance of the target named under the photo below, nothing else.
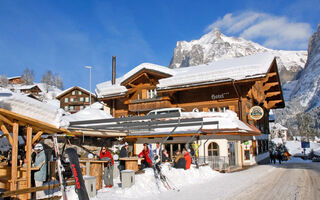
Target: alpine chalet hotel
(237, 92)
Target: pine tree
(28, 76)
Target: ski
(59, 168)
(75, 167)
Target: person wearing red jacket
(187, 157)
(105, 154)
(145, 154)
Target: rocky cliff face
(304, 95)
(217, 46)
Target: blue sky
(65, 35)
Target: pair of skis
(75, 167)
(159, 176)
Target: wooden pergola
(11, 122)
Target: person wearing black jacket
(179, 161)
(123, 154)
(165, 156)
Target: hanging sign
(256, 112)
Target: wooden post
(28, 157)
(14, 157)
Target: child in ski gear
(187, 157)
(179, 161)
(108, 167)
(165, 156)
(147, 162)
(40, 175)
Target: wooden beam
(6, 120)
(6, 133)
(28, 157)
(271, 104)
(14, 157)
(269, 75)
(33, 189)
(269, 85)
(271, 94)
(36, 137)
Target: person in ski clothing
(124, 153)
(147, 162)
(157, 150)
(105, 154)
(179, 161)
(165, 156)
(187, 157)
(40, 176)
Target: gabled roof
(242, 68)
(107, 89)
(14, 77)
(73, 88)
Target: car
(165, 111)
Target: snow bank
(145, 184)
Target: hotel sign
(219, 96)
(256, 112)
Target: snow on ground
(294, 148)
(145, 184)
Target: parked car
(165, 111)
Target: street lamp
(89, 67)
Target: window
(214, 109)
(71, 107)
(247, 154)
(81, 99)
(71, 99)
(152, 93)
(224, 109)
(66, 100)
(195, 110)
(81, 107)
(213, 149)
(87, 99)
(66, 108)
(73, 92)
(79, 93)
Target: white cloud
(269, 30)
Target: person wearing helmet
(41, 174)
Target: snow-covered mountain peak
(215, 46)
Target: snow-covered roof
(241, 68)
(107, 89)
(30, 107)
(27, 87)
(74, 87)
(13, 77)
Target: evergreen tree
(28, 76)
(306, 125)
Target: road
(299, 181)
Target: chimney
(113, 70)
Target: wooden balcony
(148, 104)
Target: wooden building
(237, 84)
(16, 80)
(75, 99)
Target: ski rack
(166, 139)
(188, 142)
(59, 167)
